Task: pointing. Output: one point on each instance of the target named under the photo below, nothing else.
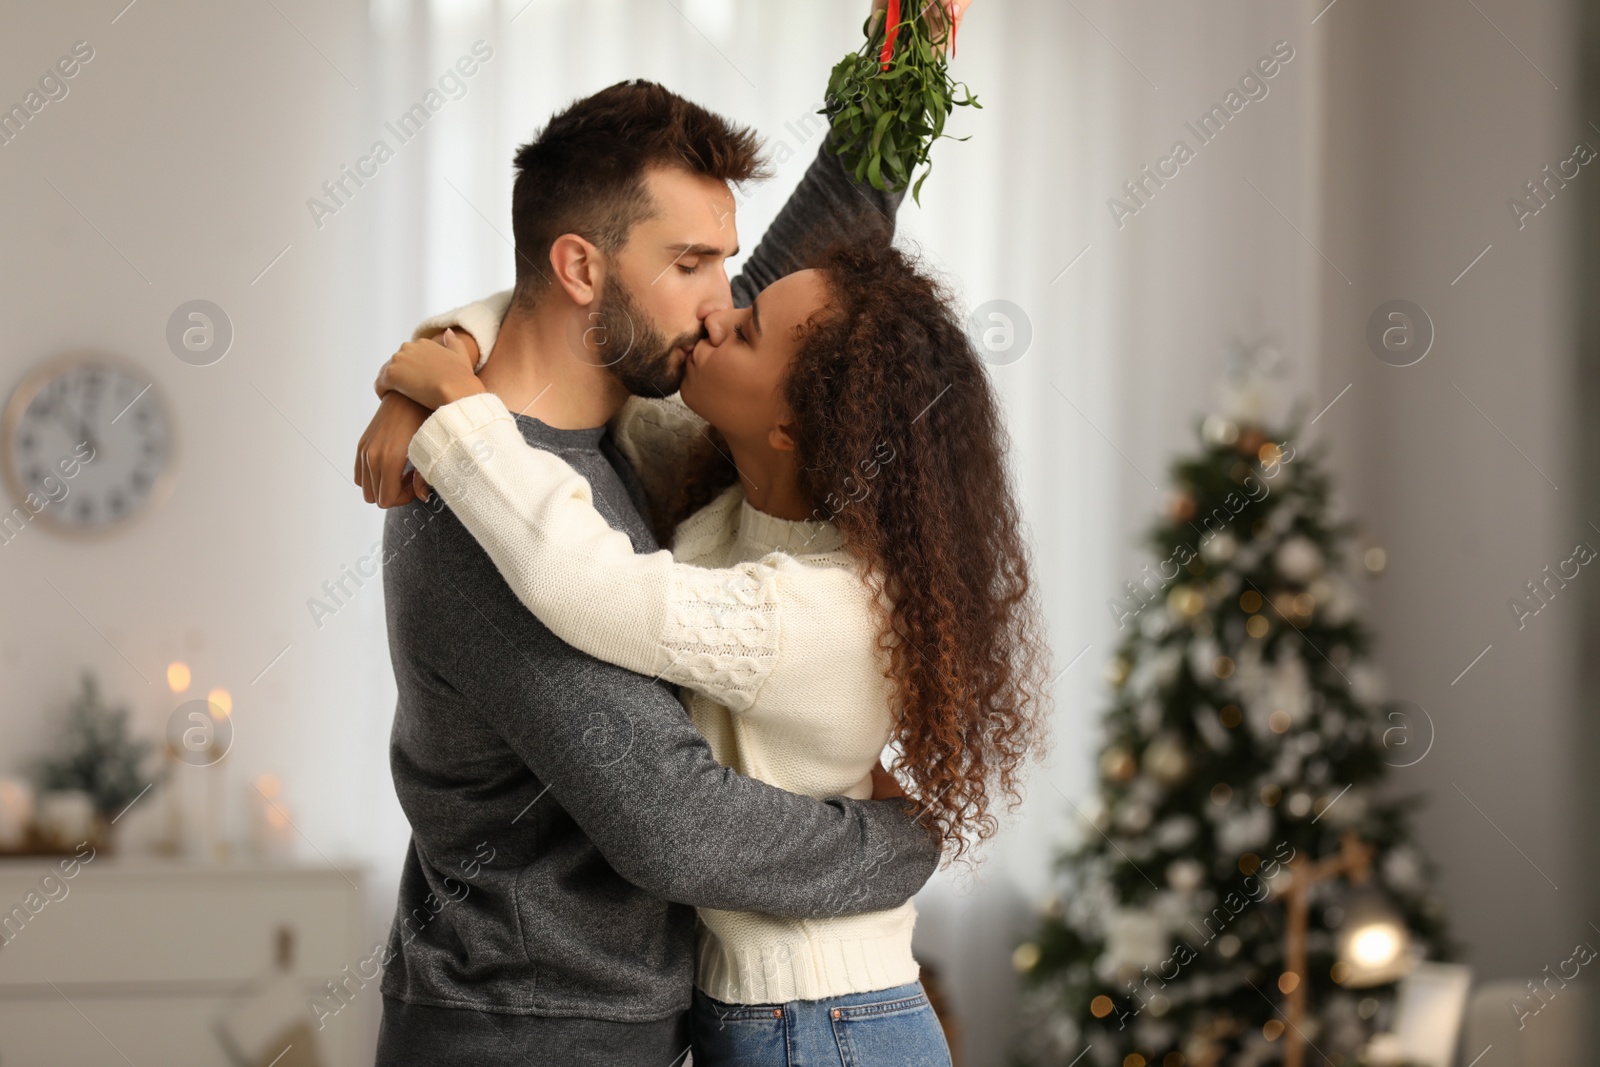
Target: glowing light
(221, 702)
(1374, 946)
(177, 676)
(269, 786)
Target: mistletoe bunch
(888, 102)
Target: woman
(849, 571)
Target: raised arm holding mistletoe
(888, 102)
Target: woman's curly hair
(900, 445)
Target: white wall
(190, 143)
(1464, 465)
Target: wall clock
(91, 438)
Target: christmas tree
(97, 753)
(1246, 739)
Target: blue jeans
(885, 1028)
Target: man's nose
(720, 298)
(716, 327)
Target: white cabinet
(135, 961)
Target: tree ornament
(1136, 937)
(1244, 830)
(1250, 441)
(1251, 389)
(1298, 560)
(1185, 875)
(1167, 760)
(1219, 431)
(1118, 765)
(1133, 817)
(1185, 602)
(1220, 548)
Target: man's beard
(636, 352)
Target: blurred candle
(16, 813)
(273, 832)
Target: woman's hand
(940, 13)
(381, 454)
(430, 373)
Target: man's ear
(781, 436)
(578, 267)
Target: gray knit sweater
(565, 813)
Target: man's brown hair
(584, 173)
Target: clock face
(88, 444)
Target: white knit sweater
(766, 623)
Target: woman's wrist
(460, 388)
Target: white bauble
(1167, 760)
(1203, 653)
(1185, 875)
(1402, 869)
(1366, 683)
(1135, 937)
(1176, 832)
(1342, 602)
(1133, 817)
(1220, 548)
(1244, 830)
(1289, 688)
(1298, 559)
(1154, 624)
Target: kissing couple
(674, 562)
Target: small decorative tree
(1245, 734)
(97, 754)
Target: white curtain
(1128, 324)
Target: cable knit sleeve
(481, 319)
(714, 631)
(658, 437)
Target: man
(565, 814)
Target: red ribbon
(889, 29)
(892, 25)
